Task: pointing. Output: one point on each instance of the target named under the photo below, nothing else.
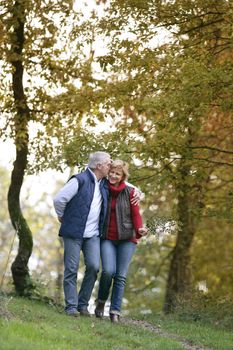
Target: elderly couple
(99, 215)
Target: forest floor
(36, 325)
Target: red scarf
(115, 190)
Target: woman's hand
(142, 231)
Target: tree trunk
(19, 267)
(179, 277)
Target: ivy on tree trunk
(19, 268)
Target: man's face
(105, 167)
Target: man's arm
(137, 195)
(64, 196)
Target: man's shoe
(99, 310)
(84, 312)
(114, 318)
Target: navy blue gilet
(77, 209)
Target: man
(81, 207)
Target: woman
(118, 241)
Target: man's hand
(136, 197)
(142, 231)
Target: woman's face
(115, 176)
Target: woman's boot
(114, 318)
(99, 310)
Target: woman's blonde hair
(120, 164)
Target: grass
(197, 333)
(29, 324)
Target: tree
(171, 96)
(40, 106)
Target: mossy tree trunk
(19, 267)
(188, 210)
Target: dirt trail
(158, 330)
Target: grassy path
(150, 327)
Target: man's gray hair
(97, 158)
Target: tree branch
(211, 149)
(213, 161)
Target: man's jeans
(91, 251)
(116, 257)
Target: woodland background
(151, 82)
